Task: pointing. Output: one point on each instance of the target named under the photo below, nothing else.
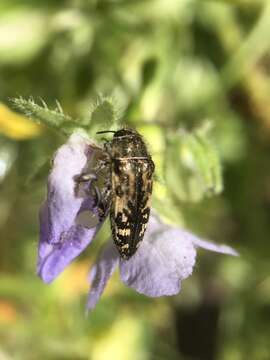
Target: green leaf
(104, 115)
(193, 169)
(208, 163)
(54, 119)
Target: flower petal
(54, 257)
(204, 244)
(101, 273)
(68, 221)
(165, 257)
(63, 203)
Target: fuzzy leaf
(193, 169)
(104, 115)
(54, 119)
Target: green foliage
(102, 115)
(193, 168)
(54, 119)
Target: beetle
(126, 192)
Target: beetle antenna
(106, 131)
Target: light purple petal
(101, 273)
(63, 204)
(68, 221)
(165, 257)
(54, 257)
(204, 244)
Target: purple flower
(69, 221)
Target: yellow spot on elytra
(124, 232)
(142, 230)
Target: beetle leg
(85, 177)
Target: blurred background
(194, 77)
